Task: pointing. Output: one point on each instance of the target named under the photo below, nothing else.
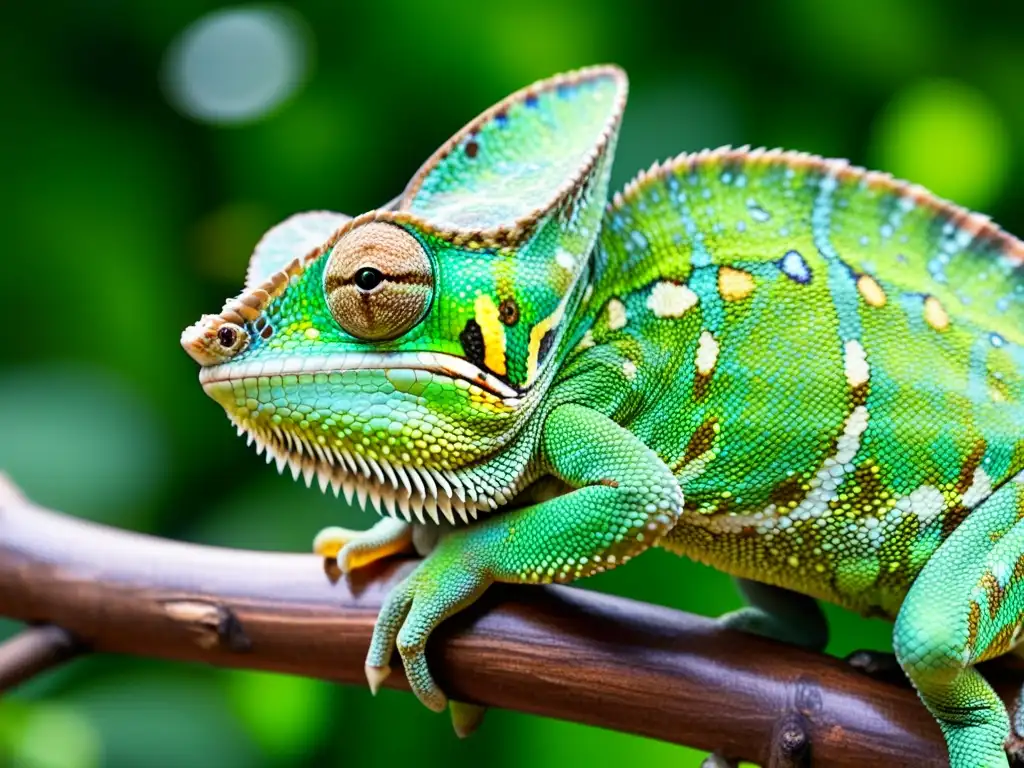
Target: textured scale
(808, 375)
(805, 288)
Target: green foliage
(124, 220)
(948, 137)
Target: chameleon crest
(808, 375)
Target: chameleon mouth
(449, 366)
(413, 493)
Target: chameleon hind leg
(965, 607)
(780, 614)
(625, 499)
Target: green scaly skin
(805, 374)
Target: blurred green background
(145, 148)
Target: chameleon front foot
(357, 549)
(441, 586)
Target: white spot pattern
(855, 362)
(670, 299)
(565, 260)
(707, 353)
(616, 315)
(823, 487)
(927, 502)
(979, 490)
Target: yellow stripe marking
(493, 331)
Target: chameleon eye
(378, 281)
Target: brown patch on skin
(1018, 569)
(472, 148)
(956, 515)
(702, 440)
(971, 463)
(973, 623)
(859, 394)
(993, 591)
(1002, 642)
(609, 482)
(787, 492)
(952, 518)
(700, 385)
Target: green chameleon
(805, 374)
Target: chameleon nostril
(226, 336)
(509, 311)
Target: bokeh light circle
(948, 137)
(236, 65)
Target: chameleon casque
(808, 375)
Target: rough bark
(556, 651)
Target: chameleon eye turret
(378, 282)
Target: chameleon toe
(375, 677)
(466, 718)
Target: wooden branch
(557, 651)
(34, 651)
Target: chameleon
(806, 374)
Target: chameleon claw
(466, 718)
(376, 676)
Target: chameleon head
(354, 374)
(397, 356)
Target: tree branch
(557, 651)
(32, 652)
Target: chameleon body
(803, 373)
